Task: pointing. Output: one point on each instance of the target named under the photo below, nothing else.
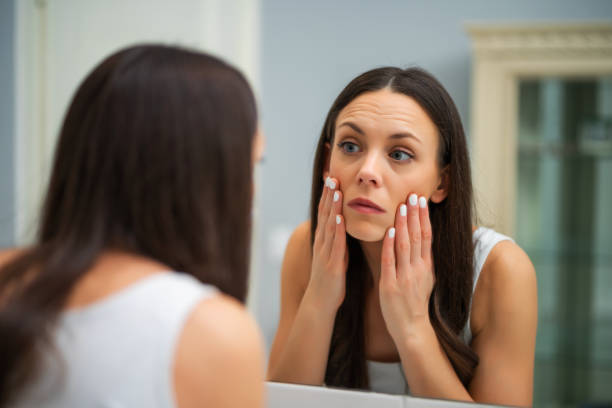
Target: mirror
(514, 110)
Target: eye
(348, 147)
(400, 155)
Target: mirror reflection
(391, 286)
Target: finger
(322, 215)
(388, 275)
(323, 201)
(336, 218)
(338, 252)
(414, 228)
(402, 240)
(330, 228)
(426, 231)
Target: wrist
(319, 306)
(418, 336)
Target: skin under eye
(348, 147)
(400, 155)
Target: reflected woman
(132, 294)
(390, 286)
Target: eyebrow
(400, 135)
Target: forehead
(385, 108)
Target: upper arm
(219, 360)
(295, 274)
(505, 342)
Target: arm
(311, 292)
(505, 340)
(219, 359)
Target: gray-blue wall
(7, 122)
(312, 49)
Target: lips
(365, 206)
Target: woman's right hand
(329, 254)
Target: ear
(258, 145)
(326, 158)
(441, 192)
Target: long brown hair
(153, 158)
(451, 221)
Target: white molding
(502, 56)
(30, 115)
(555, 39)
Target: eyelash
(342, 145)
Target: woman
(377, 287)
(132, 294)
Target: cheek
(421, 183)
(338, 171)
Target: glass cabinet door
(564, 223)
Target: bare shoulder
(8, 254)
(222, 318)
(299, 242)
(508, 266)
(506, 287)
(298, 256)
(220, 346)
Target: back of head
(154, 158)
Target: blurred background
(532, 81)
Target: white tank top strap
(484, 240)
(186, 292)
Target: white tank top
(389, 378)
(118, 352)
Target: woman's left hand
(407, 271)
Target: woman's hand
(407, 272)
(330, 257)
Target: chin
(365, 231)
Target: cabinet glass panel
(564, 223)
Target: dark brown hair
(153, 158)
(451, 221)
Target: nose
(369, 173)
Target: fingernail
(327, 182)
(403, 210)
(423, 202)
(332, 184)
(336, 196)
(338, 219)
(392, 233)
(412, 199)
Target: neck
(372, 253)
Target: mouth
(365, 206)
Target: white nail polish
(412, 199)
(338, 219)
(423, 202)
(403, 210)
(327, 182)
(392, 233)
(332, 184)
(336, 196)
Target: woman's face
(385, 148)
